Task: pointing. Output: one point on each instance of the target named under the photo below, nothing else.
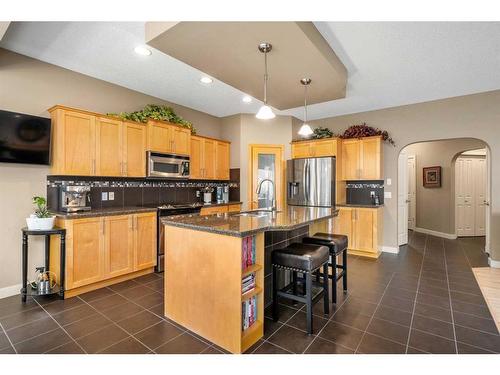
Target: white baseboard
(390, 249)
(493, 263)
(10, 290)
(436, 233)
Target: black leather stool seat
(336, 242)
(301, 257)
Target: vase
(37, 223)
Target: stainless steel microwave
(167, 165)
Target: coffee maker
(74, 198)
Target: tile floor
(423, 300)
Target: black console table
(25, 291)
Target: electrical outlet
(197, 193)
(387, 195)
(104, 196)
(111, 196)
(372, 194)
(389, 181)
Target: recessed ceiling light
(247, 99)
(141, 50)
(206, 80)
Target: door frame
(414, 202)
(280, 191)
(402, 198)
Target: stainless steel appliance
(167, 165)
(311, 182)
(170, 210)
(222, 194)
(74, 198)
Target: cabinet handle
(103, 224)
(125, 167)
(121, 168)
(93, 166)
(131, 223)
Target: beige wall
(435, 207)
(31, 86)
(231, 131)
(471, 116)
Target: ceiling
(388, 64)
(228, 51)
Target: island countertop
(234, 224)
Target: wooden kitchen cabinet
(315, 148)
(222, 160)
(221, 209)
(134, 149)
(362, 159)
(209, 159)
(109, 147)
(73, 142)
(168, 138)
(144, 240)
(363, 227)
(106, 250)
(118, 245)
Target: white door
(402, 199)
(412, 192)
(480, 199)
(464, 191)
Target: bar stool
(337, 245)
(306, 259)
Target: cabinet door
(159, 137)
(75, 148)
(196, 158)
(119, 246)
(109, 142)
(371, 165)
(145, 240)
(343, 224)
(234, 208)
(209, 159)
(301, 150)
(365, 229)
(222, 161)
(350, 159)
(85, 252)
(181, 140)
(134, 149)
(324, 148)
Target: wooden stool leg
(334, 278)
(275, 295)
(309, 303)
(344, 268)
(25, 268)
(326, 294)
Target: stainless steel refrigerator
(311, 182)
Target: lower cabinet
(363, 227)
(220, 209)
(103, 248)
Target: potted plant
(42, 219)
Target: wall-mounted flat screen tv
(24, 138)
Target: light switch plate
(111, 196)
(104, 196)
(387, 195)
(389, 181)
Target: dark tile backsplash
(135, 191)
(234, 178)
(359, 192)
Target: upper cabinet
(315, 148)
(362, 159)
(85, 144)
(209, 159)
(168, 138)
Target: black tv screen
(24, 138)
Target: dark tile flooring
(423, 300)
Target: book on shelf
(248, 252)
(248, 313)
(248, 283)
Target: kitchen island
(208, 256)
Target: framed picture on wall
(432, 177)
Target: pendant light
(305, 130)
(265, 112)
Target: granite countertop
(111, 211)
(359, 205)
(233, 224)
(215, 204)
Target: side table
(25, 291)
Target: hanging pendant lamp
(305, 130)
(265, 112)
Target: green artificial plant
(41, 211)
